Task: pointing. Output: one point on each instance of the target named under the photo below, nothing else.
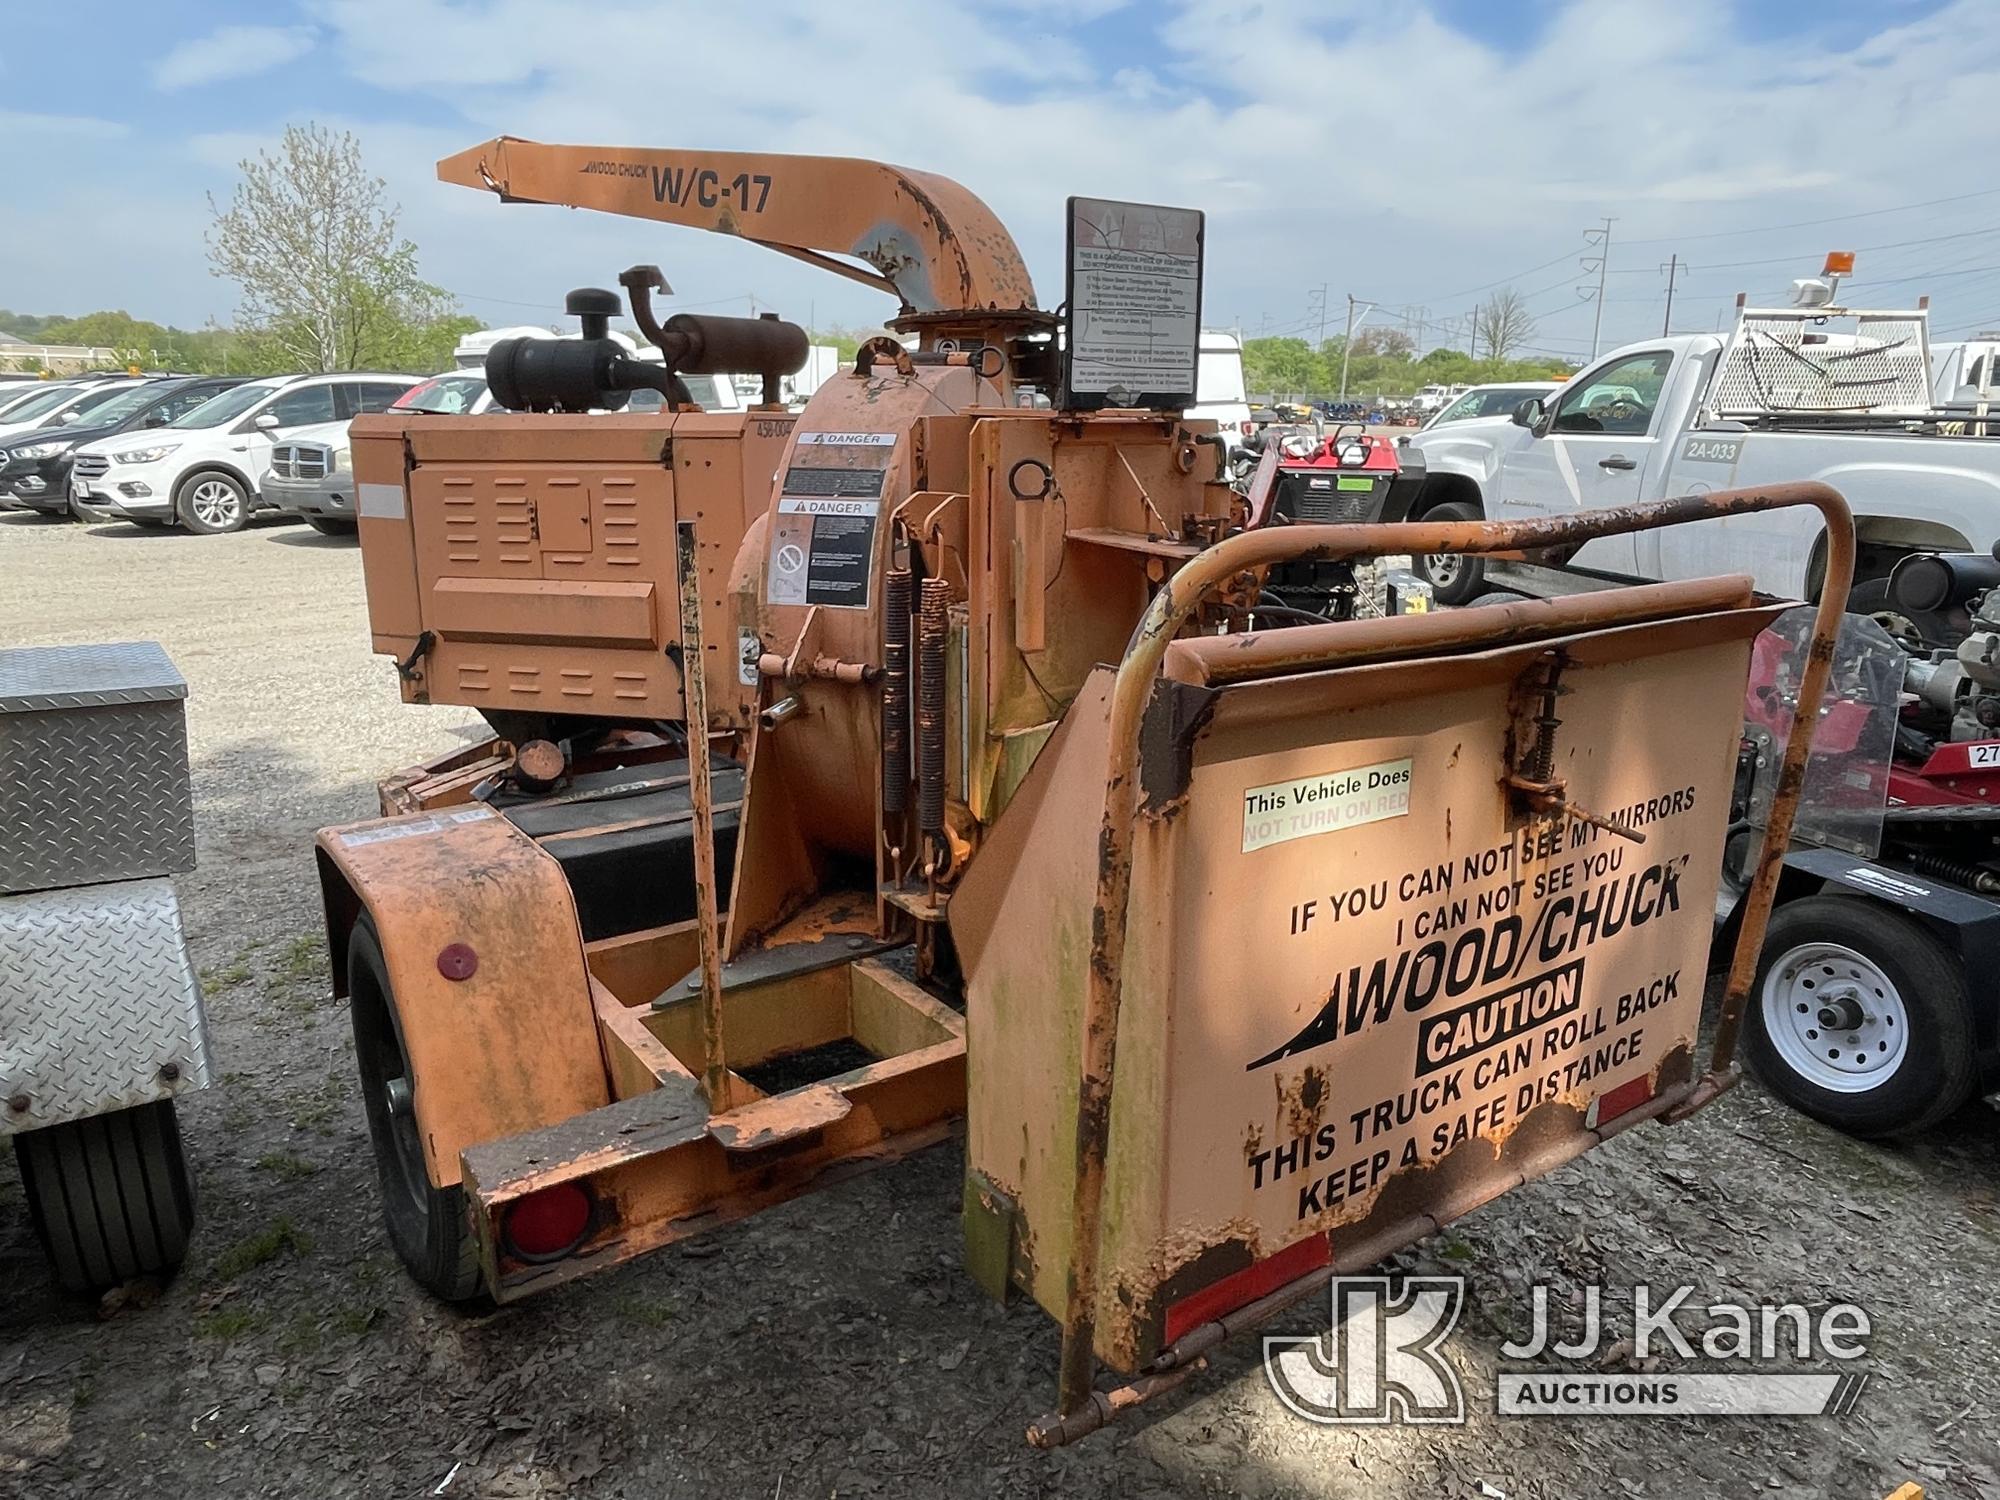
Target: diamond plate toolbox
(93, 766)
(99, 1007)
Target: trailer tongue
(817, 821)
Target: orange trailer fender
(485, 960)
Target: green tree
(327, 283)
(1283, 366)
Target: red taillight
(546, 1224)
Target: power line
(1763, 229)
(1723, 234)
(1488, 286)
(1926, 276)
(1778, 260)
(1567, 284)
(1977, 324)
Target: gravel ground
(832, 1346)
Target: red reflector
(1623, 1099)
(1247, 1285)
(547, 1223)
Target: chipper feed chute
(1413, 911)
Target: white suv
(206, 469)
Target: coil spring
(1944, 867)
(896, 691)
(936, 599)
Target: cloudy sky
(1414, 155)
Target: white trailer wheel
(1834, 1017)
(1859, 1016)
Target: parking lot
(834, 1345)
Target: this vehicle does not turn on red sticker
(1287, 810)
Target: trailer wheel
(1859, 1018)
(110, 1196)
(427, 1224)
(1454, 578)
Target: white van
(1220, 395)
(472, 349)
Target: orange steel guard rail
(1079, 1408)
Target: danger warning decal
(849, 439)
(822, 551)
(864, 483)
(822, 547)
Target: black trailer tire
(1900, 1057)
(1922, 629)
(1454, 578)
(332, 525)
(110, 1196)
(427, 1224)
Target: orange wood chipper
(912, 764)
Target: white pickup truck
(1815, 393)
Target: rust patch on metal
(633, 1127)
(779, 1125)
(1302, 1101)
(1175, 716)
(1209, 1264)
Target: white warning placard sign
(1134, 294)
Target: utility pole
(1472, 349)
(1601, 238)
(1347, 344)
(1672, 268)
